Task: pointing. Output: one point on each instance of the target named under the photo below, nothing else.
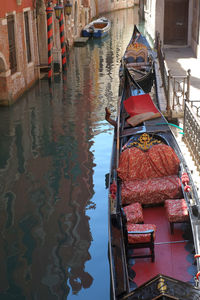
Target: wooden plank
(81, 41)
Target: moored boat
(154, 216)
(139, 60)
(97, 28)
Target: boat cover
(160, 160)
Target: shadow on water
(55, 151)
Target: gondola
(139, 60)
(154, 209)
(97, 28)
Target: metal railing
(176, 88)
(178, 103)
(191, 128)
(162, 64)
(195, 105)
(178, 92)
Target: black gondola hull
(142, 72)
(122, 286)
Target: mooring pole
(62, 43)
(49, 12)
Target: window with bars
(27, 36)
(12, 45)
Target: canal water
(55, 149)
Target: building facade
(176, 21)
(18, 49)
(111, 5)
(24, 38)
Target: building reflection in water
(47, 170)
(47, 186)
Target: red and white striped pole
(62, 43)
(49, 12)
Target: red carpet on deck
(170, 258)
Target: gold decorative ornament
(162, 287)
(144, 142)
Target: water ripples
(55, 151)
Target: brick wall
(13, 85)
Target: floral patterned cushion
(141, 237)
(149, 191)
(160, 160)
(134, 213)
(177, 210)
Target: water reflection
(45, 230)
(55, 151)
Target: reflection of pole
(64, 77)
(49, 12)
(168, 94)
(63, 49)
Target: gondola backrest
(146, 158)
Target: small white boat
(97, 28)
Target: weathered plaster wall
(195, 28)
(154, 16)
(154, 13)
(108, 5)
(13, 85)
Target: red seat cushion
(140, 238)
(149, 191)
(134, 213)
(177, 210)
(160, 160)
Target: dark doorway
(176, 22)
(11, 41)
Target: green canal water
(55, 149)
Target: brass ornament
(162, 287)
(144, 142)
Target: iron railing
(195, 105)
(191, 128)
(176, 88)
(177, 93)
(162, 64)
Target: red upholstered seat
(160, 160)
(136, 238)
(177, 211)
(149, 191)
(149, 176)
(134, 213)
